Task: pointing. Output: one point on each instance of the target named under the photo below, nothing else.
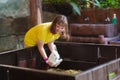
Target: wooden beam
(35, 12)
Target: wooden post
(35, 12)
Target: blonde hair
(61, 19)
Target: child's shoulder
(44, 24)
(47, 23)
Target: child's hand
(50, 64)
(54, 59)
(58, 62)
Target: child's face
(59, 28)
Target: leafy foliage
(110, 3)
(77, 5)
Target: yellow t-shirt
(40, 32)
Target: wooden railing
(26, 64)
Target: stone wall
(14, 22)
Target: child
(47, 33)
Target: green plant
(95, 2)
(110, 3)
(89, 4)
(77, 5)
(102, 3)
